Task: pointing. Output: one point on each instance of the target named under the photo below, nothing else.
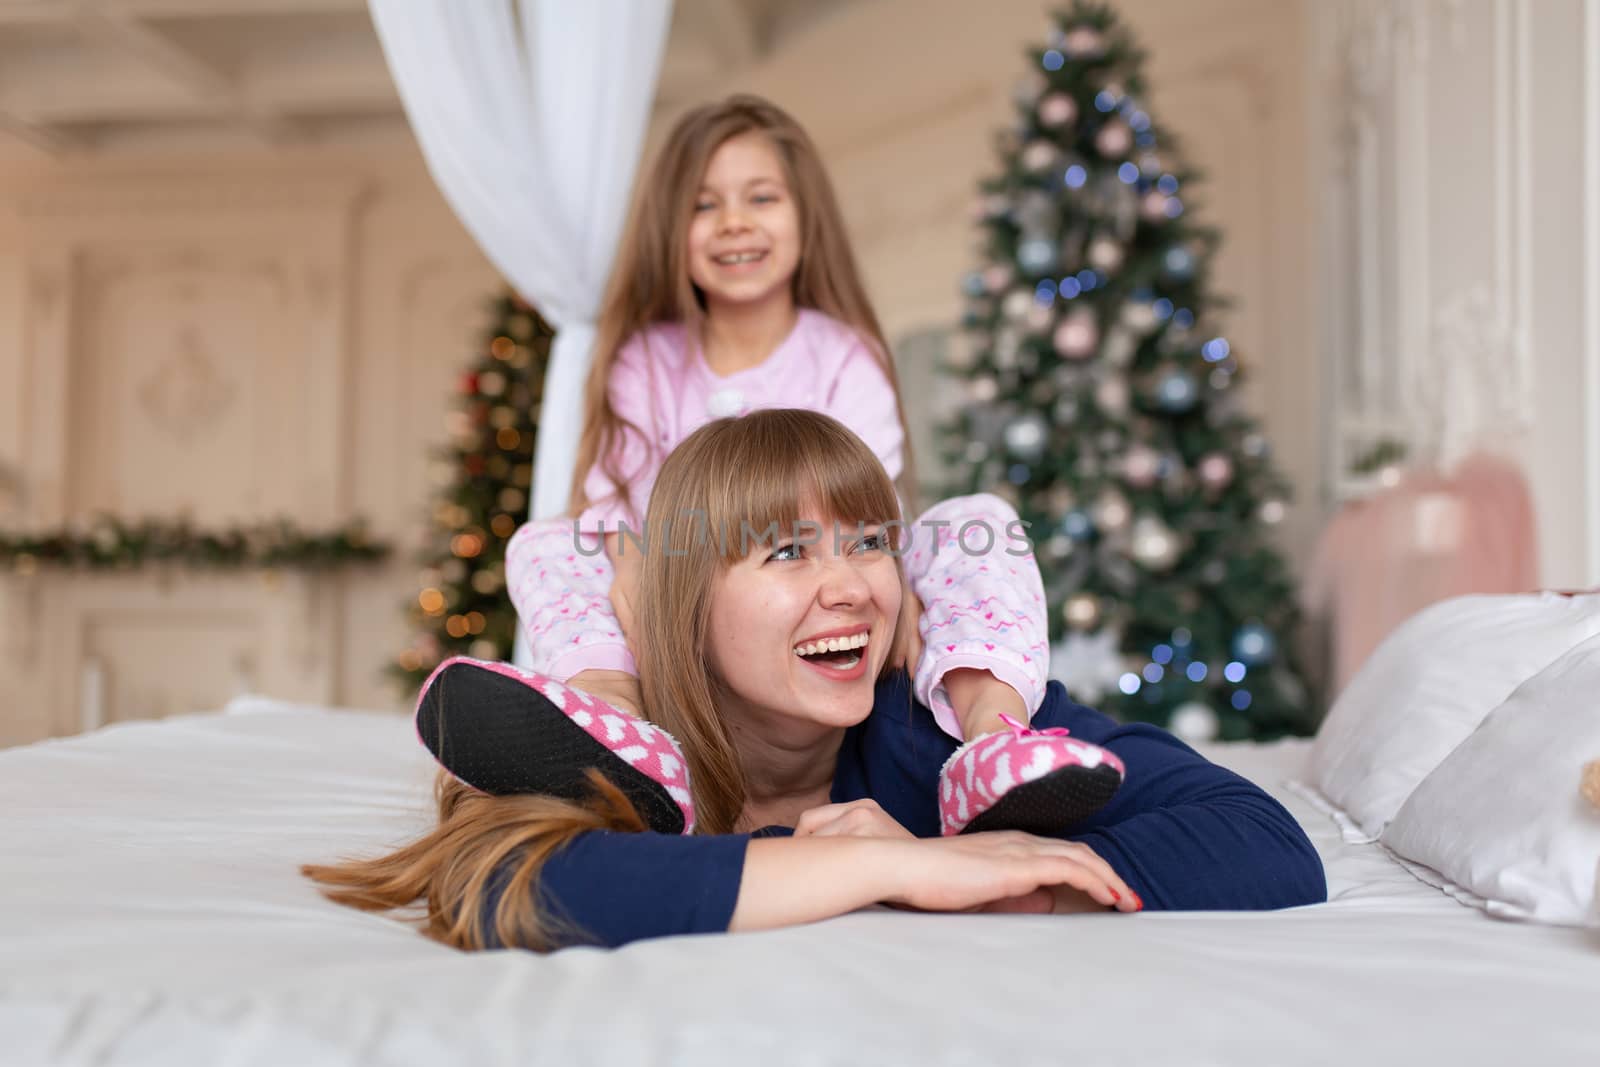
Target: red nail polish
(1138, 905)
(1116, 896)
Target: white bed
(151, 912)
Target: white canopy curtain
(531, 115)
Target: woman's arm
(1186, 833)
(612, 888)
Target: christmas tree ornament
(1194, 723)
(1154, 206)
(1119, 347)
(1039, 156)
(1214, 573)
(1254, 445)
(1039, 317)
(983, 389)
(1077, 525)
(1111, 511)
(1025, 438)
(1140, 466)
(1088, 665)
(1219, 379)
(1154, 546)
(1215, 471)
(1178, 264)
(1105, 254)
(1083, 42)
(1112, 396)
(1114, 140)
(1061, 499)
(1056, 110)
(1082, 611)
(1036, 212)
(977, 452)
(1272, 512)
(1253, 645)
(1037, 255)
(1140, 316)
(1176, 391)
(1016, 303)
(997, 277)
(1078, 334)
(1065, 411)
(1059, 546)
(1007, 343)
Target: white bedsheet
(151, 912)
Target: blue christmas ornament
(1177, 392)
(1253, 645)
(972, 284)
(1077, 525)
(1178, 263)
(1036, 255)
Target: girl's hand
(911, 612)
(859, 818)
(1004, 871)
(626, 562)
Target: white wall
(1461, 172)
(228, 337)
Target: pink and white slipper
(503, 730)
(1039, 781)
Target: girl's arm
(985, 639)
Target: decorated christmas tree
(1103, 400)
(484, 475)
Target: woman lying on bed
(814, 786)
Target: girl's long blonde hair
(719, 494)
(650, 281)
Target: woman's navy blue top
(1184, 833)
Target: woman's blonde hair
(650, 280)
(731, 487)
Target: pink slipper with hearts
(1039, 781)
(504, 730)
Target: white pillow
(1428, 685)
(1502, 817)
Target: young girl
(734, 290)
(839, 758)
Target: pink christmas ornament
(1114, 141)
(1140, 466)
(1078, 334)
(1057, 110)
(1215, 471)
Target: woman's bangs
(807, 479)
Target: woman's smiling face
(776, 612)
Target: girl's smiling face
(744, 234)
(775, 613)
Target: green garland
(109, 543)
